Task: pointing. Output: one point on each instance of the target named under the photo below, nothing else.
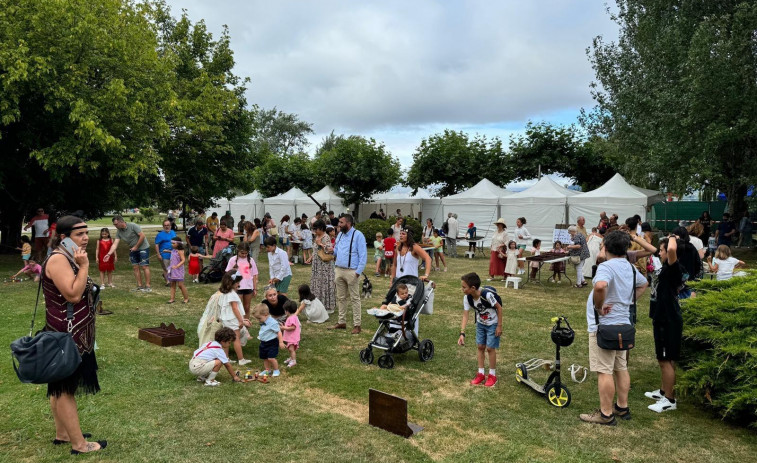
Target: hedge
(371, 226)
(720, 348)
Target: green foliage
(559, 149)
(208, 154)
(279, 173)
(277, 132)
(450, 162)
(356, 168)
(83, 93)
(147, 213)
(720, 345)
(372, 226)
(677, 95)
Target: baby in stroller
(398, 322)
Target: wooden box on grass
(163, 336)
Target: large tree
(548, 149)
(83, 92)
(356, 167)
(450, 162)
(208, 154)
(279, 173)
(677, 93)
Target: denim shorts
(485, 335)
(141, 257)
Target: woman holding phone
(65, 280)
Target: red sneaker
(478, 379)
(491, 381)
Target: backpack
(485, 290)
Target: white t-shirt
(227, 314)
(618, 274)
(725, 267)
(211, 352)
(696, 242)
(484, 315)
(522, 235)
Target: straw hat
(502, 221)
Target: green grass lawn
(151, 409)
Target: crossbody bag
(619, 337)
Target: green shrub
(147, 213)
(720, 348)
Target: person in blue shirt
(163, 247)
(351, 254)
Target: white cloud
(395, 69)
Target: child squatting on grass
(270, 340)
(488, 309)
(207, 360)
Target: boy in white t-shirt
(488, 307)
(207, 360)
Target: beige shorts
(606, 361)
(201, 367)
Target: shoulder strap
(39, 290)
(349, 260)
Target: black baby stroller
(213, 272)
(397, 331)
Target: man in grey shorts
(611, 298)
(139, 250)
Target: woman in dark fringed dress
(65, 280)
(322, 278)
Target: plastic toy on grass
(554, 389)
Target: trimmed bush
(720, 348)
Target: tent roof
(484, 189)
(397, 197)
(254, 196)
(544, 188)
(618, 188)
(327, 194)
(291, 195)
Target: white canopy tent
(479, 204)
(614, 197)
(249, 205)
(422, 205)
(543, 205)
(286, 204)
(325, 196)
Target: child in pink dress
(291, 333)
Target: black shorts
(268, 349)
(667, 339)
(244, 291)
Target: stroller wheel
(386, 361)
(521, 372)
(366, 356)
(426, 350)
(558, 395)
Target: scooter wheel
(366, 356)
(386, 361)
(521, 372)
(558, 395)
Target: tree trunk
(736, 199)
(10, 229)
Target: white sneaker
(662, 405)
(490, 279)
(654, 395)
(212, 383)
(289, 359)
(245, 361)
(276, 373)
(292, 363)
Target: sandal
(186, 301)
(578, 286)
(61, 442)
(170, 302)
(90, 445)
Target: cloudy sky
(400, 71)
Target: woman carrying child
(103, 248)
(322, 276)
(313, 307)
(175, 270)
(246, 267)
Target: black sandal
(103, 444)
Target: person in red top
(41, 233)
(389, 245)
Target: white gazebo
(325, 196)
(286, 204)
(543, 205)
(614, 197)
(420, 205)
(479, 204)
(249, 205)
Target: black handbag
(619, 337)
(47, 357)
